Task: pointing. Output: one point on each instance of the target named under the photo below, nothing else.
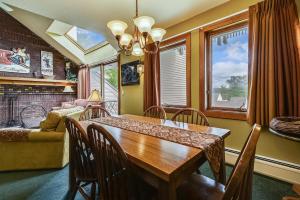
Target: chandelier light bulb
(117, 27)
(125, 39)
(157, 34)
(144, 23)
(136, 50)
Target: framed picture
(16, 60)
(47, 63)
(129, 73)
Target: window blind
(95, 78)
(173, 90)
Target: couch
(44, 148)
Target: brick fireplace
(14, 98)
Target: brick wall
(15, 35)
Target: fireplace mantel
(34, 81)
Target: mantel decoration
(17, 60)
(136, 44)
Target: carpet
(53, 185)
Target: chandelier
(143, 31)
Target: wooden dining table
(162, 164)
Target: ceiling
(94, 14)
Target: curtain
(151, 78)
(83, 87)
(275, 66)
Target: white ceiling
(94, 14)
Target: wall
(15, 35)
(132, 95)
(269, 145)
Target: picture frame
(129, 73)
(16, 60)
(46, 63)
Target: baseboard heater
(282, 170)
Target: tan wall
(132, 96)
(269, 145)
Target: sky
(229, 59)
(86, 39)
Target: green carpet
(53, 185)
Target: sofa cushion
(81, 102)
(61, 127)
(54, 117)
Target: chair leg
(198, 171)
(74, 190)
(93, 191)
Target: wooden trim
(227, 22)
(226, 114)
(35, 81)
(225, 25)
(119, 83)
(171, 43)
(111, 60)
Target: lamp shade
(136, 50)
(95, 96)
(144, 23)
(125, 39)
(117, 27)
(68, 89)
(157, 34)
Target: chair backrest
(155, 112)
(239, 185)
(191, 116)
(111, 163)
(81, 156)
(111, 106)
(92, 112)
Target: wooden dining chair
(111, 162)
(239, 185)
(92, 112)
(296, 188)
(156, 112)
(191, 116)
(82, 163)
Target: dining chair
(296, 188)
(82, 163)
(156, 112)
(92, 112)
(191, 116)
(239, 184)
(111, 162)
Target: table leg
(167, 190)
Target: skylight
(85, 39)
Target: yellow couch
(44, 148)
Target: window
(104, 78)
(175, 72)
(85, 39)
(225, 69)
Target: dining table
(162, 163)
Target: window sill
(173, 109)
(225, 114)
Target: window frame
(172, 43)
(114, 59)
(85, 51)
(231, 23)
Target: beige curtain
(151, 78)
(83, 87)
(275, 66)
